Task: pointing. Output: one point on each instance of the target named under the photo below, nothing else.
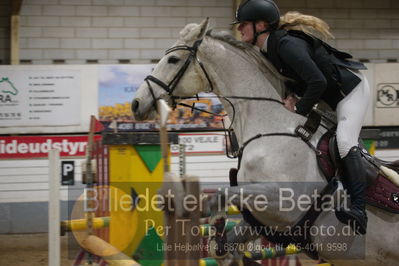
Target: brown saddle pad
(383, 194)
(325, 161)
(380, 193)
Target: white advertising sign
(213, 143)
(39, 98)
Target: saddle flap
(325, 162)
(383, 194)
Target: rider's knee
(344, 145)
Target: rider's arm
(296, 53)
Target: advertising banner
(39, 98)
(27, 147)
(117, 87)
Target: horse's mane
(254, 57)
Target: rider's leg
(350, 113)
(354, 176)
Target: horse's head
(178, 74)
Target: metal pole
(54, 208)
(182, 160)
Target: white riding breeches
(351, 112)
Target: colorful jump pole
(81, 224)
(269, 253)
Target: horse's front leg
(266, 202)
(221, 242)
(217, 221)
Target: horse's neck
(234, 75)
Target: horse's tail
(294, 20)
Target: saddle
(381, 190)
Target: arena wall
(138, 31)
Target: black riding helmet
(253, 10)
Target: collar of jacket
(264, 47)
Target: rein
(229, 131)
(171, 86)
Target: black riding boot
(355, 178)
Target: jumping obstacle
(128, 232)
(132, 164)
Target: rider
(319, 72)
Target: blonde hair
(294, 20)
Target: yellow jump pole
(81, 224)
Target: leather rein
(171, 86)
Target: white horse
(234, 68)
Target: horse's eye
(173, 60)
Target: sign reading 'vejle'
(36, 98)
(212, 143)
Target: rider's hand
(290, 102)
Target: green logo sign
(11, 90)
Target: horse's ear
(193, 32)
(203, 28)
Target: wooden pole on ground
(112, 255)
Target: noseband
(170, 87)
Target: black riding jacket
(319, 71)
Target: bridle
(171, 86)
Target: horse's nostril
(135, 105)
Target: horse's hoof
(217, 237)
